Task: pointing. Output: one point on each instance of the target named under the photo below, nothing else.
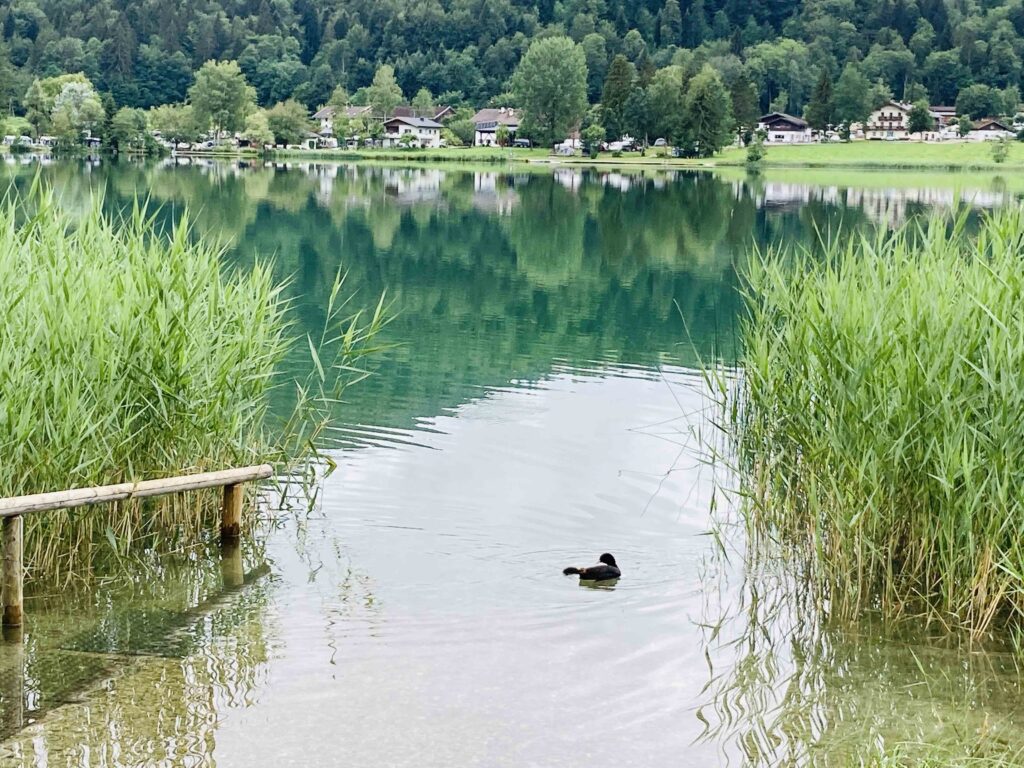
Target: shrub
(755, 152)
(1000, 150)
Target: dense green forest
(145, 52)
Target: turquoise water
(539, 405)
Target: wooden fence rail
(12, 509)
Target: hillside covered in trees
(145, 52)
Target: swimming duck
(607, 569)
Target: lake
(538, 404)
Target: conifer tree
(617, 87)
(820, 107)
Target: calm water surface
(540, 408)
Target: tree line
(770, 55)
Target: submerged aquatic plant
(878, 418)
(129, 353)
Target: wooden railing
(12, 509)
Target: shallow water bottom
(417, 616)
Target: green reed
(129, 353)
(878, 418)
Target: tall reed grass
(128, 353)
(878, 418)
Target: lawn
(884, 154)
(866, 155)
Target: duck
(606, 569)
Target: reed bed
(878, 418)
(127, 353)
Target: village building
(325, 117)
(990, 129)
(780, 128)
(487, 121)
(944, 116)
(437, 114)
(423, 132)
(890, 122)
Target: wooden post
(13, 593)
(231, 512)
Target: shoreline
(866, 157)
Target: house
(944, 117)
(990, 129)
(780, 128)
(443, 113)
(424, 132)
(325, 116)
(487, 121)
(889, 122)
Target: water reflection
(788, 687)
(494, 275)
(137, 670)
(540, 402)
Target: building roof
(897, 104)
(499, 116)
(777, 117)
(435, 114)
(416, 122)
(326, 113)
(990, 124)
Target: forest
(144, 53)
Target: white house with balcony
(423, 132)
(890, 122)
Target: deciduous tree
(920, 119)
(851, 96)
(550, 84)
(129, 129)
(176, 122)
(77, 111)
(423, 102)
(979, 101)
(221, 98)
(288, 121)
(257, 129)
(384, 94)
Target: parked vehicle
(522, 143)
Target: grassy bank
(879, 418)
(865, 155)
(125, 355)
(884, 155)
